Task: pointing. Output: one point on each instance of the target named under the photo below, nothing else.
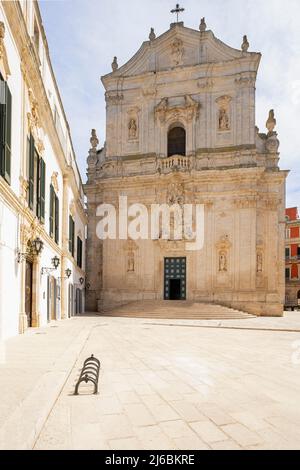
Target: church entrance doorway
(175, 279)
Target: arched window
(176, 141)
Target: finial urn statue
(114, 64)
(271, 122)
(152, 34)
(94, 140)
(245, 45)
(202, 26)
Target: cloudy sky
(84, 35)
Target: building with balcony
(42, 216)
(292, 258)
(180, 129)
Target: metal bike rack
(89, 373)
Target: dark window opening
(36, 168)
(79, 252)
(176, 141)
(287, 273)
(71, 235)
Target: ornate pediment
(180, 47)
(177, 107)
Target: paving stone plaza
(164, 384)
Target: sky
(85, 35)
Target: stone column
(36, 281)
(64, 242)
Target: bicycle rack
(89, 373)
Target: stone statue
(132, 127)
(245, 45)
(94, 140)
(259, 262)
(114, 64)
(202, 26)
(223, 120)
(222, 262)
(130, 262)
(152, 34)
(271, 122)
(177, 51)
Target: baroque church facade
(180, 128)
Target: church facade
(180, 129)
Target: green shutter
(37, 184)
(31, 172)
(7, 172)
(2, 132)
(56, 218)
(42, 189)
(5, 131)
(71, 235)
(51, 211)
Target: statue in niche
(132, 127)
(177, 51)
(130, 262)
(223, 120)
(222, 262)
(259, 262)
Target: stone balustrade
(176, 162)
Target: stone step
(180, 310)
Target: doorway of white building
(28, 291)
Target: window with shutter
(51, 212)
(71, 235)
(30, 143)
(5, 131)
(42, 189)
(79, 252)
(56, 219)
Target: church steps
(176, 310)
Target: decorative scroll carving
(187, 108)
(54, 181)
(259, 261)
(245, 81)
(113, 97)
(175, 194)
(3, 54)
(33, 116)
(205, 84)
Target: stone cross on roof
(177, 10)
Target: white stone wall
(36, 104)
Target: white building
(41, 196)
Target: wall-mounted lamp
(68, 274)
(55, 261)
(34, 248)
(81, 280)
